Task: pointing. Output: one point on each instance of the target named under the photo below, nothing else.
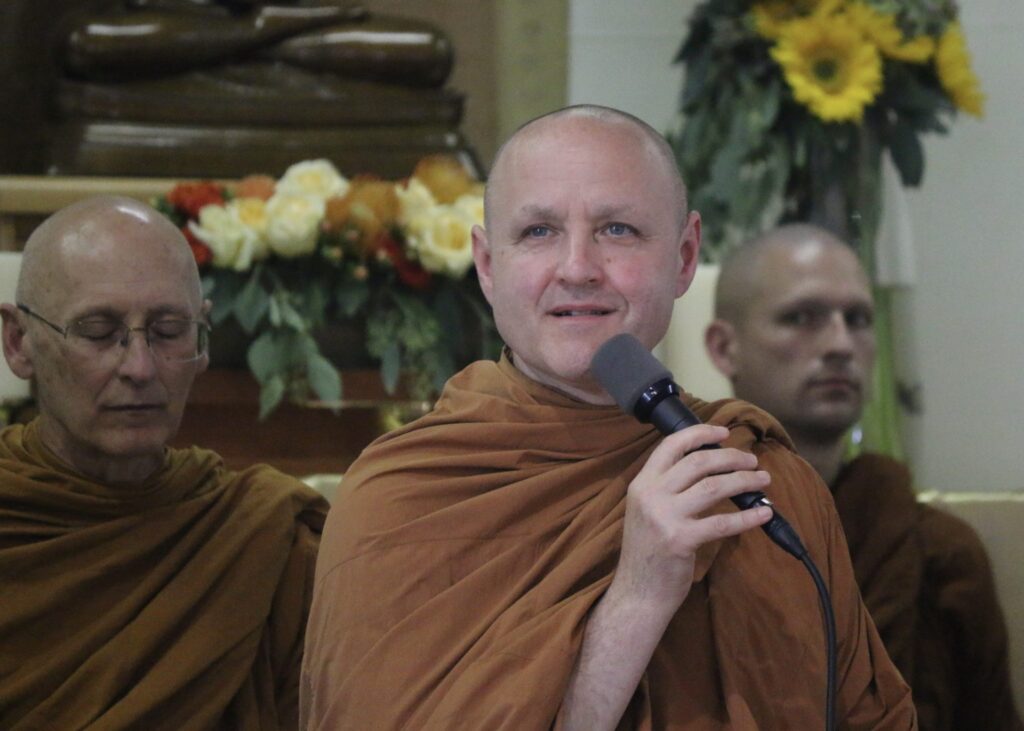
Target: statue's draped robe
(466, 551)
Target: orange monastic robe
(465, 552)
(928, 585)
(176, 604)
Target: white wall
(961, 329)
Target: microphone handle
(670, 415)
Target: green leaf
(252, 303)
(268, 356)
(290, 316)
(390, 366)
(323, 378)
(271, 394)
(352, 297)
(907, 154)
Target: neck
(102, 468)
(825, 456)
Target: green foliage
(753, 157)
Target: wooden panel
(222, 415)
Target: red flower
(409, 272)
(200, 250)
(189, 198)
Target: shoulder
(951, 545)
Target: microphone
(642, 386)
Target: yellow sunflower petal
(830, 67)
(770, 16)
(953, 65)
(881, 29)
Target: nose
(838, 338)
(137, 361)
(579, 262)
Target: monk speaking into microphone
(141, 587)
(527, 556)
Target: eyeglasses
(173, 339)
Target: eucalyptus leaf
(268, 356)
(323, 378)
(352, 297)
(271, 394)
(290, 316)
(252, 303)
(390, 367)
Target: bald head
(793, 331)
(561, 120)
(751, 269)
(110, 230)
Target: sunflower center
(826, 72)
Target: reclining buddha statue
(228, 87)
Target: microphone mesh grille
(625, 368)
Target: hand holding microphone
(643, 387)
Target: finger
(675, 446)
(725, 525)
(703, 463)
(713, 489)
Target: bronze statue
(227, 87)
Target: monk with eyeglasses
(142, 586)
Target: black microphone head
(625, 368)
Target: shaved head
(793, 331)
(655, 142)
(97, 228)
(745, 274)
(108, 403)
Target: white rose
(293, 224)
(442, 240)
(414, 200)
(252, 214)
(317, 178)
(232, 244)
(472, 206)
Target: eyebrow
(548, 213)
(109, 312)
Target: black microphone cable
(644, 388)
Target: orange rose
(445, 177)
(370, 206)
(189, 198)
(256, 186)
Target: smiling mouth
(583, 312)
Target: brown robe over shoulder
(465, 552)
(927, 583)
(178, 604)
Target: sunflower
(770, 16)
(882, 30)
(830, 66)
(953, 64)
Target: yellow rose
(317, 178)
(414, 200)
(441, 240)
(293, 224)
(232, 243)
(252, 213)
(472, 206)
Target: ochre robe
(927, 583)
(176, 604)
(464, 553)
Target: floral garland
(283, 258)
(785, 99)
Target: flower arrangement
(789, 104)
(283, 258)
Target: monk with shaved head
(144, 587)
(793, 333)
(528, 556)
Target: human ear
(689, 252)
(722, 347)
(482, 260)
(17, 349)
